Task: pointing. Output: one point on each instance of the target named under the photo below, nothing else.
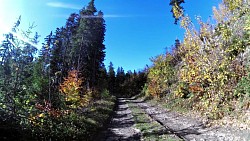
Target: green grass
(173, 105)
(151, 130)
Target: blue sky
(136, 29)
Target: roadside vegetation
(208, 71)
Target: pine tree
(102, 79)
(89, 48)
(177, 9)
(62, 49)
(120, 78)
(45, 52)
(111, 78)
(97, 50)
(17, 58)
(68, 39)
(91, 8)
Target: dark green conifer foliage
(120, 78)
(17, 56)
(111, 78)
(177, 9)
(89, 48)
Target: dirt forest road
(137, 120)
(121, 127)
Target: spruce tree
(17, 59)
(111, 78)
(89, 48)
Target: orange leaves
(71, 84)
(44, 111)
(195, 88)
(47, 108)
(71, 88)
(153, 89)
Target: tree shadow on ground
(196, 129)
(121, 123)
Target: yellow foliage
(71, 88)
(177, 11)
(207, 69)
(160, 75)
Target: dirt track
(122, 126)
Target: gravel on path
(191, 129)
(121, 127)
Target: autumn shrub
(79, 119)
(66, 127)
(71, 88)
(80, 124)
(161, 76)
(211, 62)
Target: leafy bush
(81, 124)
(212, 62)
(243, 92)
(105, 94)
(161, 76)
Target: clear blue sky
(136, 29)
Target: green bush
(242, 91)
(105, 94)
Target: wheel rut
(121, 127)
(190, 129)
(130, 124)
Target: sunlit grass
(151, 130)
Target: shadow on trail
(121, 125)
(190, 130)
(170, 118)
(150, 129)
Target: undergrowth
(82, 124)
